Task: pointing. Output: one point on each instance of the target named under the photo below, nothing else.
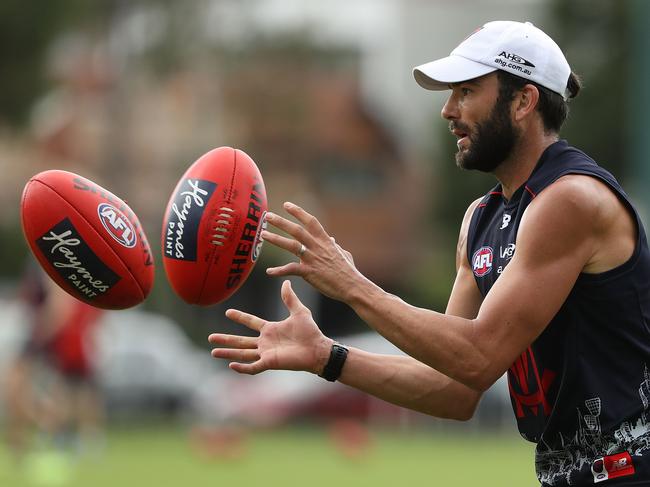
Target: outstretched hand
(295, 343)
(323, 263)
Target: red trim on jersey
(482, 205)
(495, 192)
(530, 191)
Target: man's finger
(293, 229)
(251, 321)
(290, 269)
(250, 369)
(285, 243)
(235, 354)
(232, 341)
(309, 221)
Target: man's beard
(491, 141)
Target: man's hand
(295, 343)
(323, 263)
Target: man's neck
(516, 169)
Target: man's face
(481, 122)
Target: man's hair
(552, 107)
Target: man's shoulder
(575, 203)
(576, 194)
(576, 185)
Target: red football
(87, 239)
(211, 232)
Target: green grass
(289, 457)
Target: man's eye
(465, 91)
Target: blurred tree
(594, 38)
(29, 35)
(26, 30)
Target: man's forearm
(404, 381)
(441, 341)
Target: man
(552, 285)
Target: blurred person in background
(78, 418)
(51, 386)
(18, 393)
(552, 284)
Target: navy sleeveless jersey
(581, 390)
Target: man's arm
(296, 343)
(558, 237)
(409, 383)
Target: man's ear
(526, 101)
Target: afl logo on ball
(482, 261)
(117, 225)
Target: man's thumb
(289, 297)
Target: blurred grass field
(164, 457)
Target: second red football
(212, 225)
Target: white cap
(515, 47)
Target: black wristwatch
(334, 366)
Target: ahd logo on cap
(482, 261)
(516, 59)
(514, 62)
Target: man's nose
(450, 108)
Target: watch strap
(334, 366)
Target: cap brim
(439, 74)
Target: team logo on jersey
(117, 225)
(529, 386)
(482, 261)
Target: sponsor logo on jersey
(612, 466)
(117, 225)
(185, 212)
(505, 222)
(482, 261)
(507, 252)
(75, 262)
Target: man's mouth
(462, 136)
